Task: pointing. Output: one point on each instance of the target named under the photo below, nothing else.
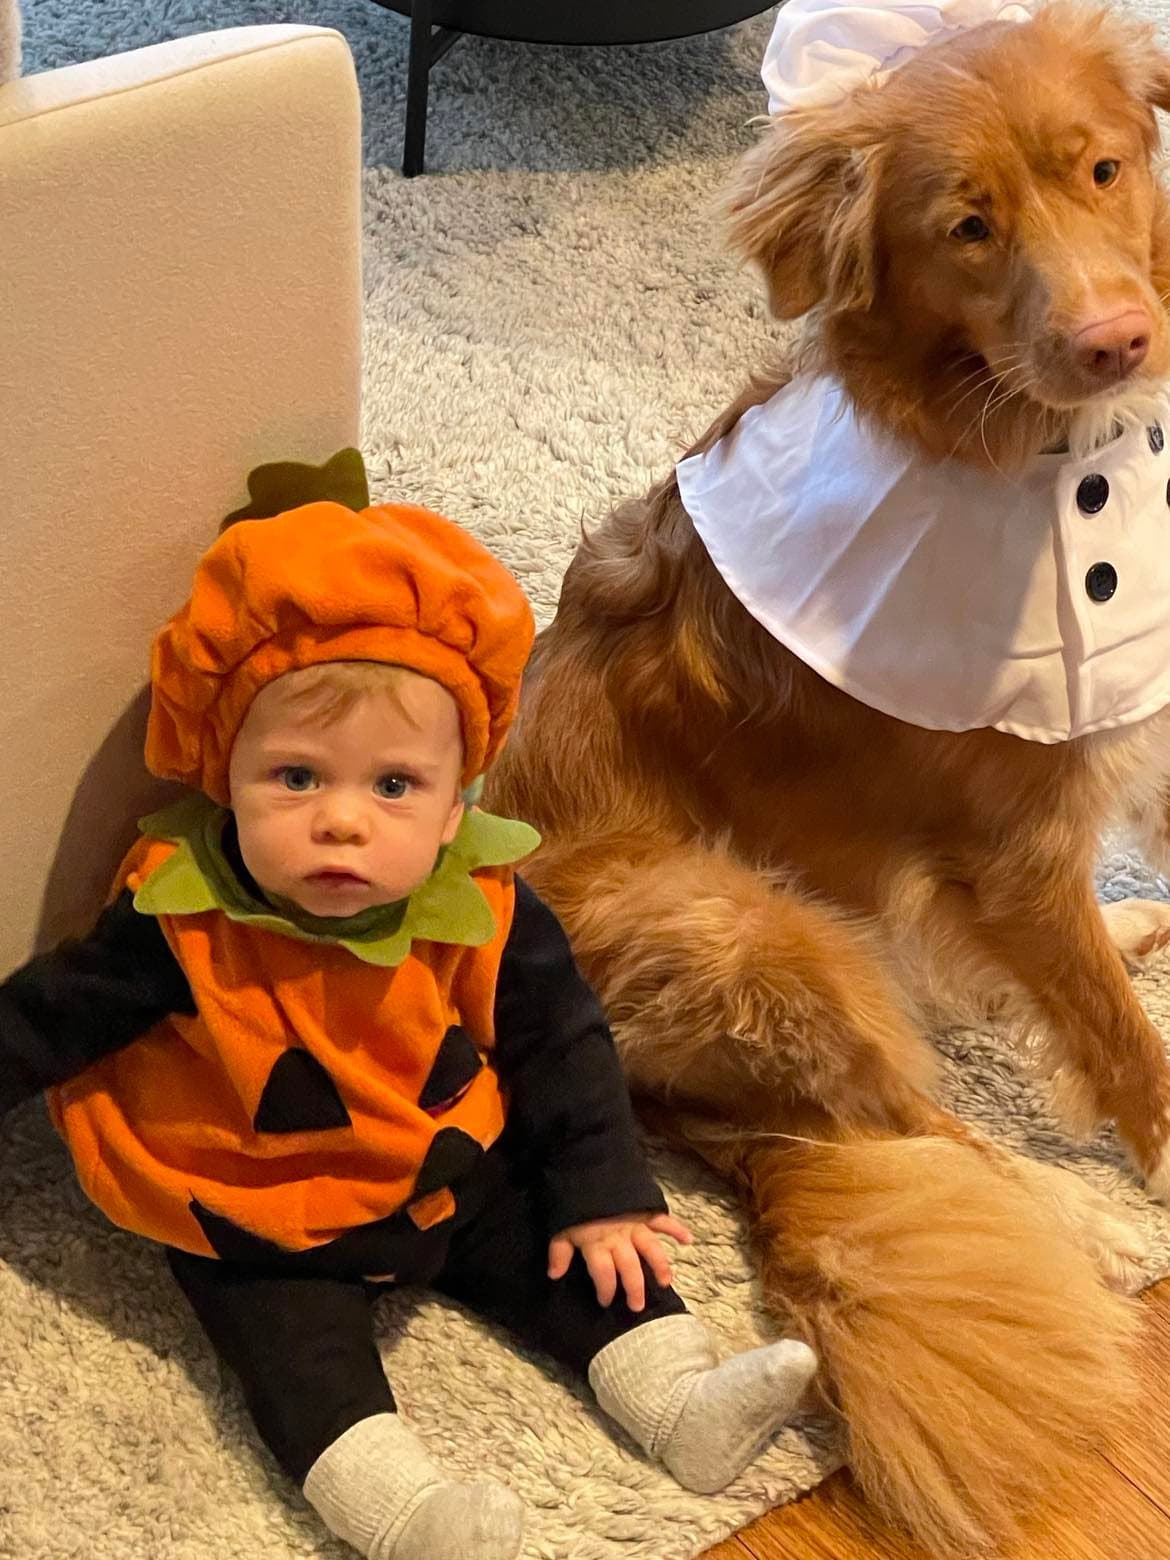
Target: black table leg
(417, 83)
(427, 48)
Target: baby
(362, 1053)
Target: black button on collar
(1101, 581)
(1092, 493)
(1156, 437)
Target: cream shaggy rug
(550, 317)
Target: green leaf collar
(449, 907)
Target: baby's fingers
(654, 1254)
(633, 1279)
(560, 1254)
(599, 1261)
(667, 1224)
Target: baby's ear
(802, 208)
(451, 829)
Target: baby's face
(340, 816)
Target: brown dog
(751, 861)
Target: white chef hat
(820, 50)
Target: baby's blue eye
(296, 777)
(392, 787)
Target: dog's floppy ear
(1144, 66)
(802, 208)
(1130, 46)
(1158, 80)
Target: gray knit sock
(377, 1488)
(705, 1421)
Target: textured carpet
(550, 316)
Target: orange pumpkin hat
(393, 583)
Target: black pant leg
(303, 1349)
(497, 1266)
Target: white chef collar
(948, 597)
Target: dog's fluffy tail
(971, 1348)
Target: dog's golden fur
(743, 854)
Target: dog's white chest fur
(942, 595)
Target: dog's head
(983, 238)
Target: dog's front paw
(1138, 928)
(1100, 1227)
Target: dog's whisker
(983, 439)
(997, 381)
(1005, 365)
(984, 365)
(991, 403)
(981, 383)
(989, 380)
(966, 379)
(994, 404)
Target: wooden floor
(1125, 1513)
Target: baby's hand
(612, 1248)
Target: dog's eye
(972, 230)
(1105, 172)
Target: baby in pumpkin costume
(324, 1038)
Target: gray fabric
(368, 1485)
(551, 316)
(702, 1418)
(458, 1522)
(378, 1488)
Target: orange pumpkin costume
(316, 1100)
(197, 1137)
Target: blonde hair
(330, 689)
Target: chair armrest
(180, 300)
